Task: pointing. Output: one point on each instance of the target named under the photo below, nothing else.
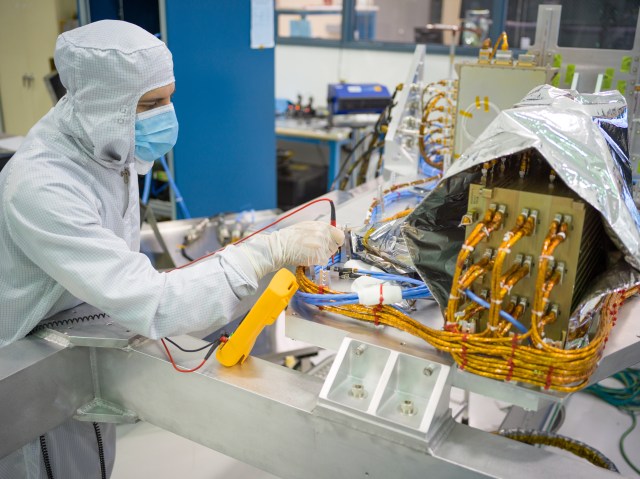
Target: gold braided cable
(396, 187)
(524, 227)
(575, 447)
(505, 43)
(429, 108)
(500, 358)
(474, 272)
(556, 236)
(491, 221)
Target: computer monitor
(54, 86)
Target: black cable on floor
(45, 457)
(103, 469)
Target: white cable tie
(505, 250)
(458, 314)
(486, 231)
(547, 256)
(466, 247)
(451, 296)
(562, 234)
(492, 328)
(537, 313)
(507, 236)
(496, 301)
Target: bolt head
(357, 391)
(407, 408)
(428, 371)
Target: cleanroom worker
(70, 224)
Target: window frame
(347, 41)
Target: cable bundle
(501, 358)
(436, 124)
(322, 298)
(375, 142)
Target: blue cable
(391, 198)
(477, 299)
(419, 291)
(425, 168)
(352, 298)
(147, 187)
(179, 200)
(392, 277)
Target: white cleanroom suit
(69, 225)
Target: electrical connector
(467, 327)
(528, 261)
(560, 268)
(568, 219)
(534, 215)
(346, 273)
(469, 218)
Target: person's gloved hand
(306, 243)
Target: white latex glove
(306, 243)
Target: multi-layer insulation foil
(583, 137)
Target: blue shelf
(225, 156)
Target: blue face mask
(156, 132)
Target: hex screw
(428, 371)
(406, 408)
(359, 350)
(357, 391)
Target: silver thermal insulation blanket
(583, 137)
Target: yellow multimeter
(266, 310)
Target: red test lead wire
(288, 215)
(178, 368)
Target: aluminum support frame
(41, 386)
(282, 421)
(270, 417)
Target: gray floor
(146, 451)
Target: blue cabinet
(225, 156)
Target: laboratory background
(481, 317)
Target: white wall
(308, 70)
